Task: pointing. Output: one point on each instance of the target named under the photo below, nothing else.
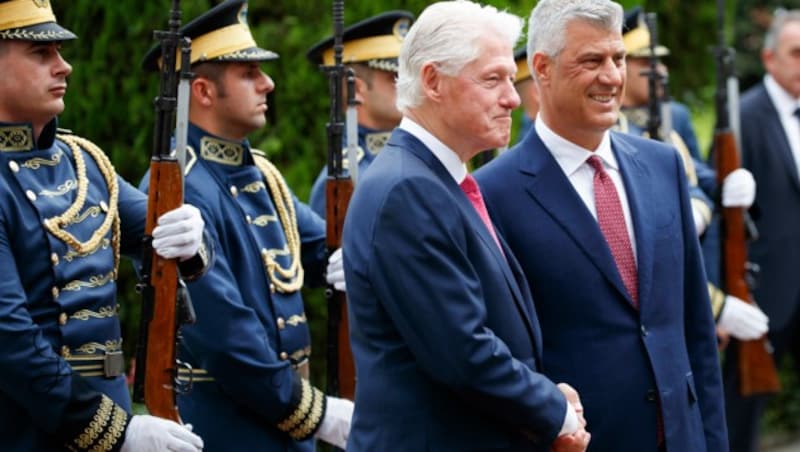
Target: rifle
(757, 373)
(166, 304)
(654, 81)
(338, 189)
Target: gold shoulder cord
(55, 224)
(290, 279)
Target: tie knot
(797, 112)
(596, 163)
(469, 185)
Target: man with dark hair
(65, 218)
(370, 49)
(249, 351)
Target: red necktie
(612, 223)
(470, 188)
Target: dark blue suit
(766, 153)
(443, 330)
(620, 359)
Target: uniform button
(234, 190)
(54, 258)
(652, 395)
(65, 351)
(248, 219)
(271, 288)
(264, 253)
(644, 331)
(62, 319)
(55, 292)
(284, 356)
(281, 323)
(31, 195)
(103, 206)
(14, 166)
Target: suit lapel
(410, 143)
(638, 189)
(772, 123)
(547, 184)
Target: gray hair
(779, 20)
(549, 20)
(438, 36)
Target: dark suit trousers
(744, 414)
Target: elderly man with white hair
(445, 337)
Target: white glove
(700, 223)
(335, 427)
(742, 320)
(335, 272)
(179, 233)
(739, 189)
(147, 433)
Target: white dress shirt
(447, 156)
(785, 104)
(573, 162)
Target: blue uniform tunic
(251, 341)
(370, 143)
(64, 217)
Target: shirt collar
(784, 102)
(448, 157)
(569, 155)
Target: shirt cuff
(570, 424)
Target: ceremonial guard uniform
(249, 351)
(65, 217)
(374, 42)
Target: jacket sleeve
(59, 402)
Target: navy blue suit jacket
(766, 153)
(620, 359)
(443, 329)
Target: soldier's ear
(361, 87)
(203, 91)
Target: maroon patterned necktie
(470, 188)
(612, 223)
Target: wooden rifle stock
(338, 192)
(757, 372)
(165, 194)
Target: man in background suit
(444, 333)
(602, 225)
(771, 151)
